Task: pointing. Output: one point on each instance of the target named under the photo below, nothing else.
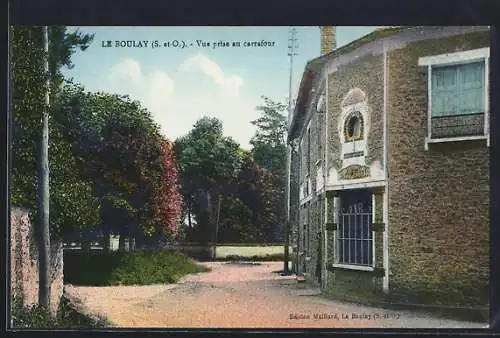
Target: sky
(188, 79)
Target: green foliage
(118, 203)
(71, 199)
(206, 157)
(251, 185)
(67, 317)
(271, 125)
(34, 316)
(269, 152)
(209, 164)
(120, 150)
(137, 268)
(236, 222)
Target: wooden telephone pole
(292, 51)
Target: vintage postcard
(250, 177)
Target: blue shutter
(471, 88)
(444, 91)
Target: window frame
(456, 59)
(339, 237)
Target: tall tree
(208, 163)
(121, 151)
(269, 151)
(221, 182)
(259, 191)
(29, 100)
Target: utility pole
(218, 220)
(43, 190)
(292, 51)
(8, 154)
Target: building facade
(390, 162)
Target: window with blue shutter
(457, 100)
(471, 88)
(445, 100)
(458, 90)
(458, 96)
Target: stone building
(390, 166)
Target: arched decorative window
(354, 127)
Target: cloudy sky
(180, 85)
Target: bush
(130, 268)
(68, 317)
(34, 316)
(37, 317)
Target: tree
(128, 161)
(271, 125)
(269, 152)
(258, 190)
(215, 172)
(236, 224)
(208, 163)
(29, 100)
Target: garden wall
(221, 251)
(24, 262)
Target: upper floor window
(458, 96)
(458, 90)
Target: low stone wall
(248, 251)
(220, 251)
(24, 263)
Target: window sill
(456, 139)
(354, 267)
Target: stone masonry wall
(23, 262)
(438, 199)
(310, 213)
(314, 240)
(365, 73)
(294, 203)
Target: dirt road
(241, 296)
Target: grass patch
(67, 317)
(130, 268)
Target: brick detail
(328, 39)
(439, 199)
